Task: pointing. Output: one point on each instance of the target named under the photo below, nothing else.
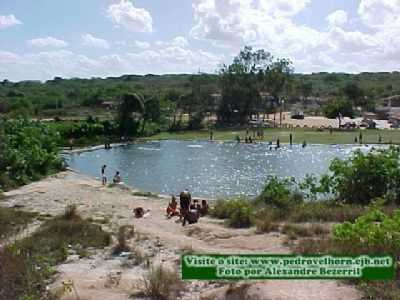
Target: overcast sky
(40, 39)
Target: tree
(306, 89)
(152, 111)
(240, 83)
(339, 108)
(353, 92)
(130, 106)
(278, 80)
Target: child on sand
(203, 208)
(117, 178)
(172, 208)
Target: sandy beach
(160, 240)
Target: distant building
(391, 105)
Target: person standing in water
(291, 139)
(278, 143)
(103, 175)
(211, 134)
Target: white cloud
(337, 18)
(47, 42)
(272, 25)
(171, 58)
(8, 57)
(9, 21)
(256, 22)
(141, 45)
(180, 41)
(379, 13)
(91, 41)
(125, 14)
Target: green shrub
(279, 193)
(366, 176)
(374, 231)
(28, 151)
(238, 212)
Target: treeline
(239, 84)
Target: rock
(72, 258)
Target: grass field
(299, 135)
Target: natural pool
(207, 169)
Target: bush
(28, 151)
(238, 212)
(279, 193)
(162, 284)
(124, 233)
(374, 231)
(265, 225)
(364, 177)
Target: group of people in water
(117, 177)
(249, 140)
(189, 211)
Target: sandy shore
(161, 240)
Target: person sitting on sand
(172, 208)
(117, 178)
(193, 215)
(139, 212)
(204, 208)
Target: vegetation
(162, 284)
(312, 136)
(352, 184)
(372, 233)
(124, 233)
(11, 220)
(26, 265)
(28, 151)
(366, 176)
(79, 98)
(238, 212)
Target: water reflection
(207, 169)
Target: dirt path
(104, 277)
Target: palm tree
(130, 104)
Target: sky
(42, 39)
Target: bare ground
(157, 240)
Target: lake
(207, 169)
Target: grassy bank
(27, 265)
(327, 228)
(12, 220)
(311, 136)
